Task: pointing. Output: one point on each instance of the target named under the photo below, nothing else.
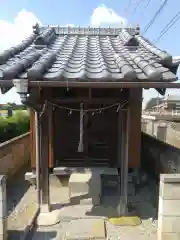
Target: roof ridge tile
(45, 37)
(128, 39)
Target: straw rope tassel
(81, 130)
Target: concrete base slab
(85, 229)
(48, 219)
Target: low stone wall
(169, 207)
(14, 154)
(167, 132)
(159, 157)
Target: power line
(168, 26)
(137, 5)
(127, 8)
(145, 7)
(155, 16)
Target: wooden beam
(96, 84)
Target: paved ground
(21, 207)
(142, 202)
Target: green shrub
(14, 126)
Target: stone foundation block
(170, 191)
(85, 184)
(169, 207)
(169, 224)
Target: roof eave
(95, 84)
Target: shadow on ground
(17, 186)
(40, 235)
(144, 204)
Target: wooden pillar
(123, 161)
(51, 136)
(86, 130)
(135, 106)
(33, 139)
(119, 133)
(44, 147)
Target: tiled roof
(87, 54)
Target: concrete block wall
(3, 208)
(169, 207)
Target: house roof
(87, 54)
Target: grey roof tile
(87, 54)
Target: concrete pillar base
(48, 218)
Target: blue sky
(17, 17)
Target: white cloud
(103, 16)
(13, 33)
(10, 97)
